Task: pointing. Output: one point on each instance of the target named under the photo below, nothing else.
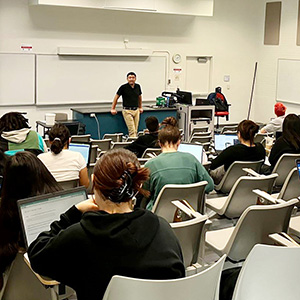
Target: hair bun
(169, 121)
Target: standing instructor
(132, 103)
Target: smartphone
(298, 166)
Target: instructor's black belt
(130, 108)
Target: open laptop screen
(196, 150)
(223, 141)
(84, 149)
(37, 213)
(298, 166)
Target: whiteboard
(95, 79)
(17, 79)
(288, 81)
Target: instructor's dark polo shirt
(130, 95)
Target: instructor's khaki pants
(131, 118)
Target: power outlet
(92, 115)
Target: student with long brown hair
(172, 166)
(24, 176)
(106, 236)
(246, 150)
(289, 142)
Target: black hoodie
(85, 251)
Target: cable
(92, 115)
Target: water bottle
(168, 101)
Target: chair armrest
(249, 171)
(207, 165)
(208, 222)
(283, 239)
(186, 210)
(264, 195)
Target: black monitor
(184, 97)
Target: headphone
(125, 191)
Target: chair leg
(218, 125)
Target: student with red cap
(275, 124)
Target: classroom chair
(203, 285)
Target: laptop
(223, 141)
(37, 213)
(194, 149)
(83, 148)
(298, 166)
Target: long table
(113, 124)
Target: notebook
(194, 149)
(223, 141)
(37, 213)
(84, 149)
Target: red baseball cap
(279, 109)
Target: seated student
(172, 166)
(289, 142)
(247, 150)
(105, 236)
(148, 140)
(16, 135)
(275, 124)
(24, 176)
(62, 163)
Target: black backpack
(219, 101)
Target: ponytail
(59, 137)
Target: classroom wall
(265, 92)
(233, 36)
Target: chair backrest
(204, 285)
(115, 137)
(259, 137)
(69, 184)
(234, 172)
(284, 166)
(204, 133)
(291, 186)
(84, 138)
(200, 129)
(201, 139)
(241, 196)
(104, 145)
(118, 145)
(90, 172)
(255, 225)
(189, 235)
(194, 193)
(61, 116)
(93, 155)
(232, 128)
(142, 161)
(23, 284)
(151, 151)
(131, 139)
(269, 272)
